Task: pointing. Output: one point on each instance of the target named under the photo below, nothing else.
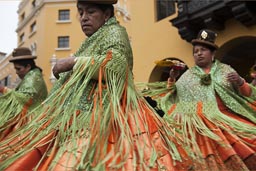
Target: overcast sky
(9, 22)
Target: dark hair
(105, 7)
(26, 62)
(102, 7)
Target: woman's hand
(235, 79)
(173, 74)
(63, 65)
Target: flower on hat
(204, 34)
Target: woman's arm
(63, 65)
(239, 82)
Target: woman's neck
(207, 68)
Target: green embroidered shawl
(182, 103)
(81, 107)
(189, 90)
(30, 92)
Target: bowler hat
(21, 53)
(206, 37)
(99, 1)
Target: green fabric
(189, 91)
(32, 89)
(76, 97)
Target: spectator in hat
(94, 119)
(29, 93)
(215, 109)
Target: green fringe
(11, 104)
(60, 108)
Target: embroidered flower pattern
(206, 79)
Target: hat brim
(196, 41)
(19, 58)
(99, 1)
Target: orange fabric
(230, 150)
(225, 110)
(91, 92)
(147, 136)
(31, 159)
(27, 162)
(49, 159)
(241, 148)
(68, 159)
(151, 122)
(172, 108)
(252, 105)
(108, 58)
(230, 144)
(9, 151)
(169, 82)
(97, 100)
(205, 145)
(141, 140)
(250, 140)
(225, 150)
(18, 121)
(47, 144)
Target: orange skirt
(147, 141)
(233, 152)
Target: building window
(22, 37)
(6, 81)
(33, 27)
(63, 42)
(33, 48)
(22, 16)
(164, 8)
(64, 15)
(33, 3)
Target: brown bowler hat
(206, 37)
(21, 53)
(99, 1)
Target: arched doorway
(162, 73)
(240, 53)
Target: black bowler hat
(206, 37)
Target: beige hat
(21, 53)
(99, 1)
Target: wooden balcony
(193, 15)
